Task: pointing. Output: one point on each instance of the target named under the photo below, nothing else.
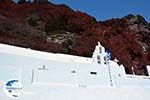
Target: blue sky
(106, 9)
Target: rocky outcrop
(6, 1)
(35, 1)
(57, 28)
(40, 1)
(22, 1)
(128, 38)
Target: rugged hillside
(57, 28)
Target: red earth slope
(58, 28)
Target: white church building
(37, 75)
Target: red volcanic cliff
(57, 28)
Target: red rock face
(57, 28)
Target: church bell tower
(99, 55)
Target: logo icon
(13, 88)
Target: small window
(43, 68)
(104, 60)
(73, 71)
(93, 73)
(100, 50)
(98, 57)
(99, 62)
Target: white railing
(138, 76)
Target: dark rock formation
(57, 28)
(22, 1)
(8, 1)
(40, 1)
